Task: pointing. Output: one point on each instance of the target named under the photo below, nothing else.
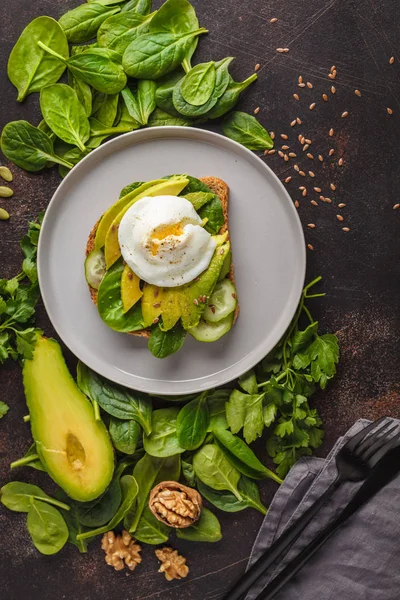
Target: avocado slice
(130, 289)
(116, 208)
(152, 303)
(170, 187)
(74, 448)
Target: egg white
(163, 242)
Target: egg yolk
(162, 232)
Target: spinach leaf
(129, 188)
(142, 102)
(206, 529)
(159, 118)
(105, 107)
(216, 405)
(165, 343)
(198, 84)
(213, 469)
(117, 32)
(73, 156)
(46, 526)
(241, 456)
(152, 55)
(17, 496)
(109, 302)
(150, 530)
(226, 501)
(3, 409)
(101, 510)
(30, 459)
(29, 68)
(64, 114)
(246, 410)
(125, 435)
(246, 130)
(82, 90)
(230, 97)
(165, 91)
(130, 490)
(142, 7)
(188, 472)
(192, 423)
(214, 213)
(28, 147)
(163, 439)
(119, 402)
(73, 524)
(148, 472)
(81, 23)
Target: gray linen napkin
(361, 561)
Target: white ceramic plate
(268, 253)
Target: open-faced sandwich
(159, 262)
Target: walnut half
(175, 504)
(173, 565)
(121, 550)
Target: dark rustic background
(360, 268)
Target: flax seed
(196, 302)
(346, 229)
(333, 187)
(284, 136)
(331, 152)
(318, 190)
(331, 132)
(293, 123)
(280, 50)
(296, 168)
(286, 49)
(298, 121)
(311, 173)
(296, 96)
(396, 206)
(281, 154)
(304, 193)
(302, 85)
(286, 158)
(155, 321)
(296, 203)
(333, 89)
(303, 140)
(311, 225)
(340, 162)
(310, 247)
(340, 217)
(300, 79)
(306, 147)
(288, 179)
(302, 173)
(257, 110)
(302, 187)
(391, 60)
(357, 93)
(314, 202)
(342, 205)
(270, 151)
(324, 97)
(389, 110)
(157, 305)
(310, 85)
(308, 141)
(309, 155)
(257, 66)
(322, 198)
(345, 114)
(333, 68)
(292, 154)
(274, 20)
(300, 137)
(332, 75)
(285, 147)
(320, 158)
(312, 106)
(328, 200)
(272, 135)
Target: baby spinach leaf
(245, 410)
(229, 98)
(109, 302)
(188, 472)
(30, 459)
(73, 524)
(192, 423)
(152, 55)
(241, 456)
(82, 90)
(163, 439)
(81, 23)
(198, 84)
(30, 68)
(129, 188)
(215, 215)
(73, 156)
(142, 7)
(150, 530)
(17, 496)
(130, 489)
(105, 107)
(47, 528)
(246, 130)
(64, 114)
(226, 501)
(216, 405)
(125, 435)
(165, 91)
(165, 343)
(213, 469)
(3, 409)
(206, 529)
(28, 147)
(159, 118)
(142, 102)
(117, 32)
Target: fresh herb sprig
(18, 298)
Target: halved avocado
(130, 288)
(152, 303)
(74, 448)
(169, 187)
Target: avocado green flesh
(74, 448)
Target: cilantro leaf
(3, 409)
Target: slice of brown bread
(220, 188)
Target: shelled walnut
(175, 504)
(121, 550)
(173, 565)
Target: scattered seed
(286, 158)
(296, 203)
(333, 89)
(300, 79)
(309, 155)
(284, 136)
(308, 141)
(331, 152)
(357, 93)
(286, 49)
(304, 193)
(157, 305)
(331, 132)
(281, 154)
(5, 192)
(302, 85)
(311, 173)
(328, 200)
(342, 205)
(340, 162)
(296, 97)
(280, 50)
(332, 75)
(322, 198)
(292, 154)
(300, 137)
(285, 147)
(212, 308)
(155, 321)
(288, 179)
(302, 173)
(333, 68)
(396, 206)
(4, 216)
(340, 218)
(257, 66)
(6, 174)
(274, 20)
(312, 106)
(156, 292)
(320, 158)
(272, 135)
(318, 189)
(345, 114)
(346, 229)
(293, 123)
(222, 251)
(257, 110)
(298, 121)
(310, 85)
(306, 147)
(390, 112)
(310, 247)
(391, 60)
(314, 202)
(311, 225)
(302, 188)
(269, 151)
(333, 187)
(302, 140)
(296, 168)
(195, 301)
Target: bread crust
(218, 187)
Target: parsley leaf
(3, 409)
(245, 411)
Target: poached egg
(163, 241)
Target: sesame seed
(318, 189)
(331, 152)
(298, 121)
(302, 173)
(331, 132)
(274, 20)
(285, 147)
(314, 202)
(320, 158)
(292, 154)
(288, 179)
(312, 106)
(333, 187)
(342, 205)
(284, 136)
(286, 158)
(310, 247)
(296, 203)
(357, 93)
(257, 66)
(296, 168)
(272, 135)
(308, 141)
(311, 173)
(281, 154)
(304, 193)
(346, 229)
(302, 85)
(396, 206)
(306, 147)
(257, 110)
(333, 89)
(293, 123)
(311, 225)
(324, 97)
(310, 85)
(391, 60)
(345, 114)
(340, 217)
(309, 155)
(296, 97)
(390, 112)
(340, 162)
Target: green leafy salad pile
(127, 67)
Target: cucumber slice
(211, 332)
(222, 302)
(95, 268)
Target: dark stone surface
(360, 268)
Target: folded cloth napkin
(361, 561)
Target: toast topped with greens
(159, 262)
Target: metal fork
(354, 462)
